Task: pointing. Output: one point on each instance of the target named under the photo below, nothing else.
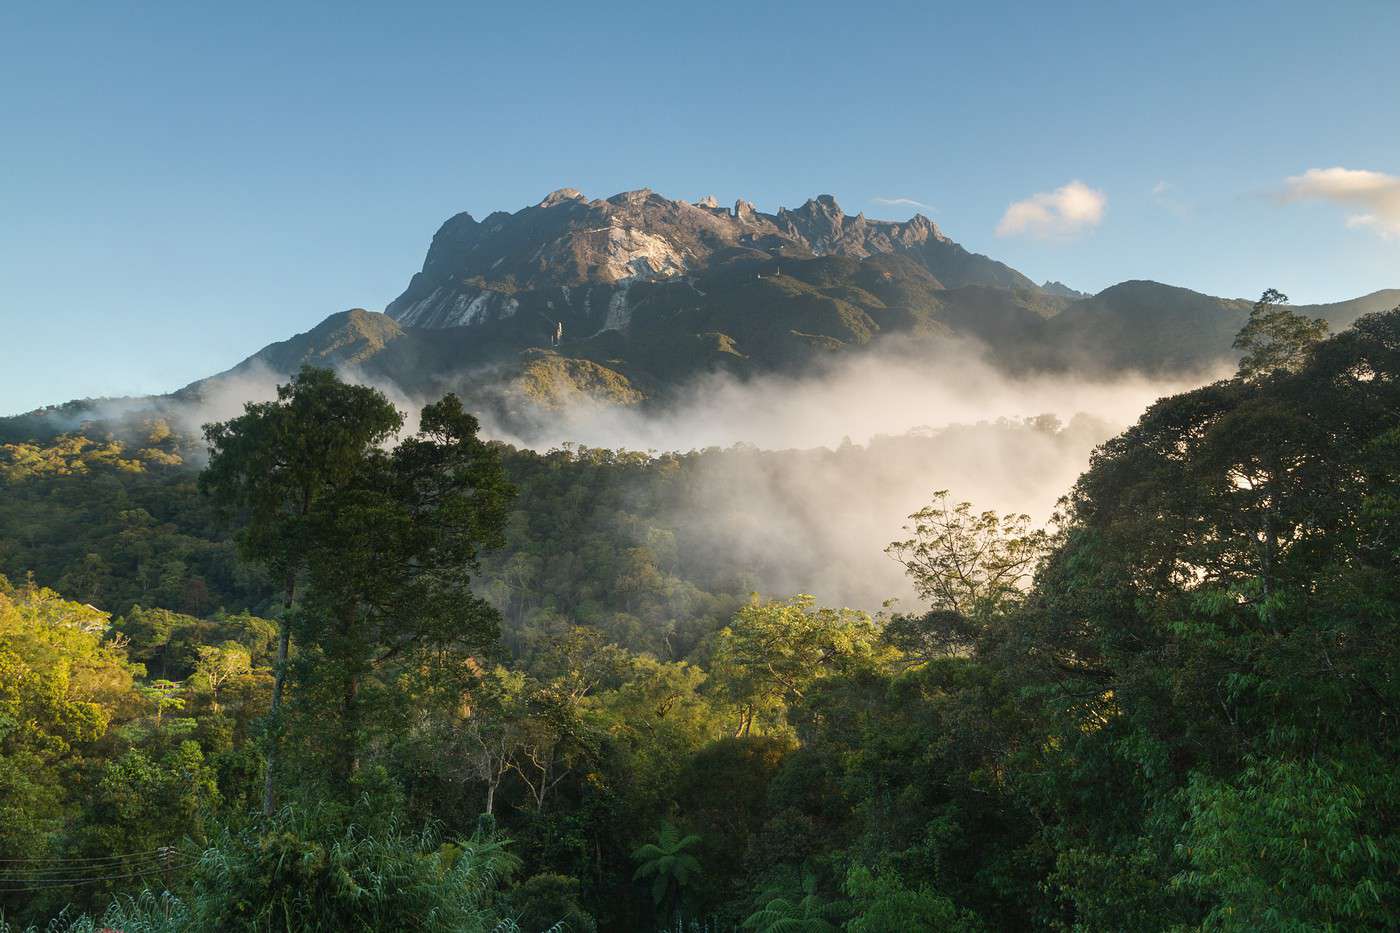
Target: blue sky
(183, 183)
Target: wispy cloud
(904, 202)
(1374, 196)
(1065, 211)
(1164, 196)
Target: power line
(77, 872)
(19, 886)
(86, 867)
(21, 876)
(160, 850)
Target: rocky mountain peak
(638, 196)
(561, 195)
(820, 221)
(479, 272)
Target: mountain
(573, 261)
(626, 300)
(658, 290)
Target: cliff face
(571, 260)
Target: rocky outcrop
(1062, 290)
(479, 272)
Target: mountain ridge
(1137, 325)
(569, 253)
(629, 299)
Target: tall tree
(390, 558)
(274, 465)
(1276, 337)
(971, 564)
(972, 568)
(771, 652)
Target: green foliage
(309, 871)
(1294, 844)
(883, 904)
(802, 911)
(772, 652)
(389, 556)
(552, 383)
(314, 870)
(550, 902)
(974, 565)
(1276, 338)
(146, 912)
(174, 645)
(113, 534)
(91, 761)
(1175, 713)
(150, 797)
(668, 864)
(278, 459)
(69, 455)
(221, 666)
(58, 685)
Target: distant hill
(1156, 327)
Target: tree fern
(667, 863)
(783, 912)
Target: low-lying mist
(855, 399)
(802, 480)
(830, 463)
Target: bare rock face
(1060, 288)
(561, 195)
(482, 271)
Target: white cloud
(1375, 196)
(904, 202)
(1161, 188)
(1064, 211)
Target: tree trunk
(284, 638)
(349, 703)
(350, 723)
(1269, 548)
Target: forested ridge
(321, 670)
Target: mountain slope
(1155, 327)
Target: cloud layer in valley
(829, 465)
(805, 479)
(1067, 210)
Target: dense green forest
(313, 672)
